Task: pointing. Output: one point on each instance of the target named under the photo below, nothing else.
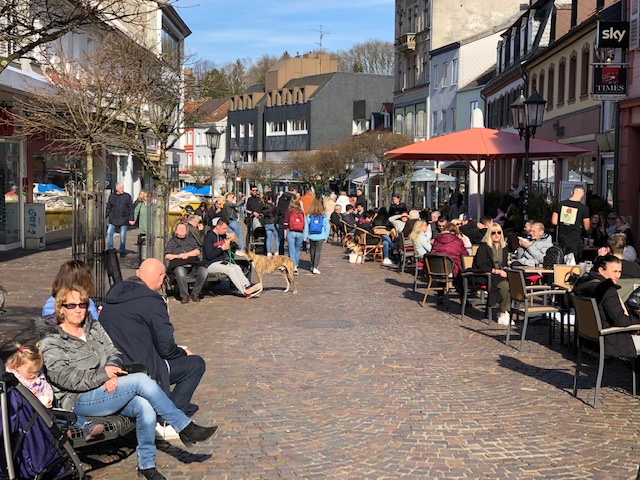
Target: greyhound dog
(263, 265)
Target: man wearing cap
(216, 245)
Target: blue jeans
(234, 226)
(140, 397)
(272, 233)
(386, 243)
(294, 241)
(111, 230)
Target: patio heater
(368, 166)
(527, 115)
(213, 141)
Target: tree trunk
(162, 191)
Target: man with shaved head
(136, 318)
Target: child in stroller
(257, 235)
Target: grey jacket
(74, 366)
(535, 253)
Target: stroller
(33, 443)
(39, 443)
(257, 236)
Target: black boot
(150, 474)
(193, 433)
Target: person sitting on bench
(183, 253)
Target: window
(436, 79)
(276, 128)
(359, 126)
(297, 127)
(434, 124)
(409, 123)
(445, 75)
(251, 130)
(170, 47)
(453, 119)
(421, 120)
(541, 84)
(550, 87)
(189, 137)
(572, 77)
(233, 131)
(561, 81)
(584, 72)
(444, 121)
(473, 104)
(454, 71)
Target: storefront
(12, 198)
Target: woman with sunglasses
(492, 256)
(85, 370)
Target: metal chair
(522, 302)
(589, 328)
(468, 284)
(561, 277)
(407, 253)
(437, 269)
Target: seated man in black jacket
(476, 230)
(183, 253)
(216, 245)
(601, 284)
(136, 318)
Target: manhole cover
(326, 324)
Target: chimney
(574, 13)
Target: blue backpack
(315, 224)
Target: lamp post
(437, 170)
(227, 165)
(348, 167)
(237, 159)
(527, 115)
(368, 166)
(213, 141)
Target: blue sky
(225, 30)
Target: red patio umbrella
(479, 147)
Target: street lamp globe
(534, 110)
(517, 113)
(213, 138)
(368, 166)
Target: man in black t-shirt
(571, 216)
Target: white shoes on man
(504, 318)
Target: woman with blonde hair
(316, 230)
(294, 225)
(492, 257)
(421, 238)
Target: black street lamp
(348, 167)
(213, 141)
(368, 166)
(227, 165)
(237, 161)
(527, 115)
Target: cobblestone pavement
(352, 379)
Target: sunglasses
(73, 306)
(496, 233)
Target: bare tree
(373, 146)
(264, 173)
(81, 108)
(208, 81)
(27, 25)
(372, 56)
(258, 71)
(201, 175)
(316, 167)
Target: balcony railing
(406, 42)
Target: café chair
(335, 235)
(437, 269)
(564, 277)
(468, 276)
(591, 335)
(522, 302)
(406, 251)
(347, 235)
(370, 243)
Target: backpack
(296, 222)
(315, 224)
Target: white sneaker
(315, 271)
(166, 432)
(387, 261)
(269, 254)
(504, 318)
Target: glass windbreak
(9, 201)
